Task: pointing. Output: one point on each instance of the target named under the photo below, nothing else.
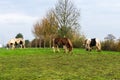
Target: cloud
(16, 18)
(108, 3)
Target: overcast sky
(98, 17)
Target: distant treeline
(108, 45)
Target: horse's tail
(70, 44)
(99, 46)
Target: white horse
(89, 43)
(16, 42)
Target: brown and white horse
(16, 42)
(65, 42)
(89, 43)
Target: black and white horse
(65, 42)
(89, 43)
(16, 42)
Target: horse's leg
(13, 46)
(23, 46)
(70, 50)
(88, 47)
(20, 46)
(54, 48)
(98, 46)
(58, 48)
(65, 48)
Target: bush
(109, 45)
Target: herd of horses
(67, 44)
(58, 42)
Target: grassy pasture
(43, 64)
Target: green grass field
(43, 64)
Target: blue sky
(98, 17)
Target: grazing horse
(89, 43)
(16, 42)
(65, 42)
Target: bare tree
(67, 16)
(62, 21)
(110, 37)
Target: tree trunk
(44, 43)
(50, 42)
(36, 42)
(40, 43)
